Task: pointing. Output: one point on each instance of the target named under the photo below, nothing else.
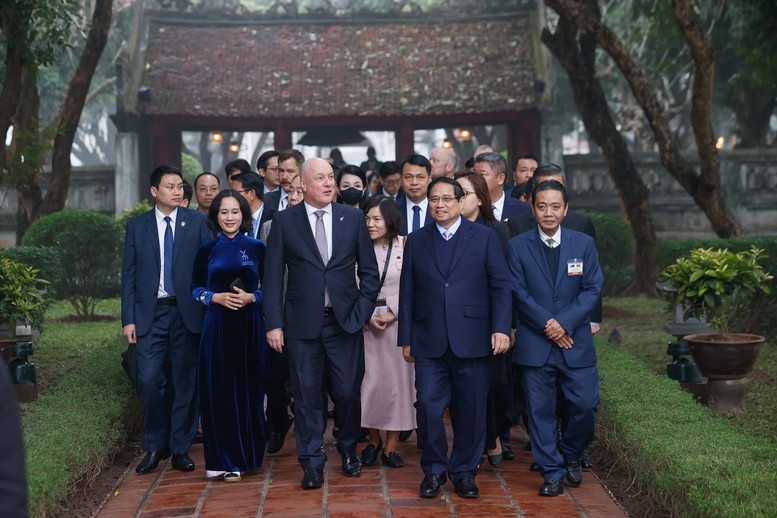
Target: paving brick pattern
(274, 491)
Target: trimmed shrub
(141, 208)
(615, 244)
(89, 245)
(45, 259)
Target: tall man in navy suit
(289, 165)
(455, 297)
(320, 322)
(413, 206)
(556, 281)
(159, 315)
(493, 168)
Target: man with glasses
(454, 284)
(206, 187)
(289, 165)
(391, 179)
(267, 167)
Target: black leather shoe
(574, 473)
(352, 465)
(151, 461)
(277, 438)
(553, 487)
(534, 467)
(507, 452)
(495, 460)
(370, 453)
(405, 435)
(466, 487)
(182, 462)
(431, 485)
(392, 460)
(585, 461)
(313, 478)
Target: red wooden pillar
(282, 138)
(405, 140)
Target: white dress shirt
(424, 204)
(161, 227)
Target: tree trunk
(702, 186)
(576, 51)
(73, 105)
(15, 35)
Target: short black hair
(160, 171)
(549, 169)
(390, 212)
(417, 160)
(246, 225)
(251, 182)
(458, 191)
(388, 168)
(197, 178)
(261, 162)
(188, 192)
(354, 170)
(527, 156)
(550, 185)
(240, 164)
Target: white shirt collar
(556, 237)
(452, 230)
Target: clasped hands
(233, 300)
(381, 320)
(556, 333)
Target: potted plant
(720, 286)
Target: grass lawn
(640, 321)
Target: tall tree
(701, 185)
(32, 145)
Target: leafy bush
(141, 208)
(21, 296)
(190, 168)
(691, 462)
(615, 244)
(45, 259)
(89, 244)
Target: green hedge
(74, 429)
(615, 245)
(45, 259)
(688, 460)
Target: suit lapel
(428, 233)
(180, 233)
(567, 243)
(300, 218)
(153, 237)
(462, 242)
(535, 248)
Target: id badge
(575, 267)
(380, 306)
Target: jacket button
(446, 284)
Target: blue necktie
(416, 218)
(169, 257)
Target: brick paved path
(274, 491)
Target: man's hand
(275, 339)
(554, 330)
(500, 343)
(406, 354)
(595, 328)
(565, 342)
(130, 333)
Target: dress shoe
(370, 453)
(574, 473)
(553, 487)
(278, 437)
(232, 476)
(352, 465)
(405, 435)
(495, 460)
(534, 467)
(182, 462)
(585, 461)
(313, 478)
(392, 460)
(431, 485)
(507, 452)
(151, 461)
(466, 487)
(197, 438)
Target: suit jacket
(469, 303)
(539, 295)
(273, 199)
(514, 208)
(267, 215)
(402, 205)
(141, 268)
(291, 244)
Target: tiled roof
(317, 69)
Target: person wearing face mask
(350, 185)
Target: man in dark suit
(249, 185)
(13, 482)
(556, 281)
(492, 167)
(289, 165)
(159, 315)
(455, 297)
(320, 321)
(391, 180)
(414, 206)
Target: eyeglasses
(445, 199)
(467, 193)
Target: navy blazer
(140, 269)
(273, 199)
(470, 302)
(402, 205)
(291, 244)
(539, 295)
(513, 207)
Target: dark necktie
(169, 257)
(416, 218)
